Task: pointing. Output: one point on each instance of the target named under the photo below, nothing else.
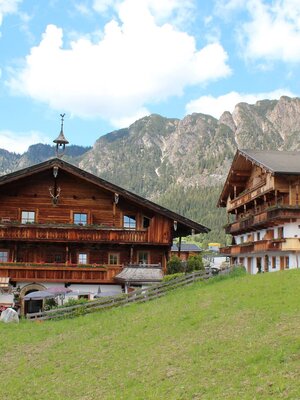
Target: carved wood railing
(253, 247)
(262, 187)
(60, 273)
(71, 234)
(263, 218)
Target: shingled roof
(186, 247)
(278, 162)
(140, 274)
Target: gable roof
(186, 247)
(185, 225)
(275, 161)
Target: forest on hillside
(200, 205)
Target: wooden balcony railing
(264, 218)
(71, 234)
(261, 188)
(256, 247)
(59, 273)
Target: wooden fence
(137, 296)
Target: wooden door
(281, 263)
(266, 264)
(249, 265)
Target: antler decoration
(55, 196)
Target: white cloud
(101, 6)
(215, 106)
(8, 7)
(136, 62)
(82, 8)
(19, 142)
(274, 31)
(130, 119)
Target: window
(242, 239)
(280, 232)
(143, 257)
(80, 218)
(57, 258)
(27, 217)
(3, 256)
(82, 258)
(146, 222)
(129, 221)
(258, 236)
(113, 258)
(273, 262)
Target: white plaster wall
(294, 261)
(6, 298)
(291, 230)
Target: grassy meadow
(234, 338)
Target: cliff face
(194, 151)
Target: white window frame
(127, 224)
(117, 255)
(26, 217)
(80, 258)
(80, 222)
(3, 251)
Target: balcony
(263, 219)
(71, 233)
(260, 246)
(258, 190)
(59, 272)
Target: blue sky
(106, 63)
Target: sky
(107, 63)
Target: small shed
(137, 276)
(185, 250)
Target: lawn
(236, 338)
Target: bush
(174, 265)
(194, 263)
(49, 304)
(168, 278)
(74, 302)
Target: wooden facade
(60, 224)
(262, 198)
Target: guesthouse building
(262, 198)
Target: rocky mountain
(35, 154)
(180, 163)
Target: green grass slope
(228, 339)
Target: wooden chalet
(60, 225)
(185, 250)
(262, 198)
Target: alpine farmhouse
(262, 197)
(62, 226)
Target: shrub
(49, 304)
(168, 278)
(73, 302)
(194, 263)
(174, 265)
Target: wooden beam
(241, 173)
